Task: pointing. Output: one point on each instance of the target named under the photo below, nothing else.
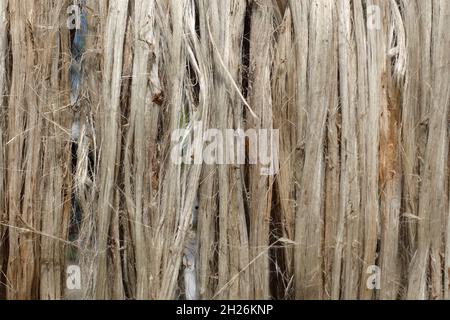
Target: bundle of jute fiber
(224, 149)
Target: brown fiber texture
(358, 89)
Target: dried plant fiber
(92, 91)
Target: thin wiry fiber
(358, 207)
(3, 51)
